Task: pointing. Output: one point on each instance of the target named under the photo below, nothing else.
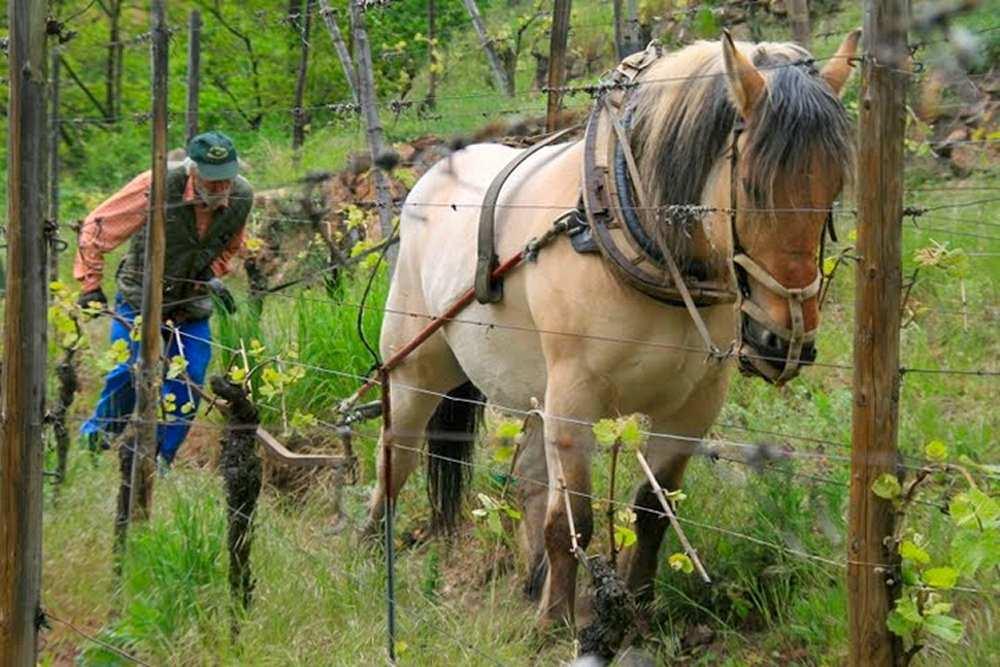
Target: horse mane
(682, 118)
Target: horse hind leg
(410, 411)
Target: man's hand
(220, 292)
(93, 296)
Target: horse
(755, 136)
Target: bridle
(744, 267)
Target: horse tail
(451, 440)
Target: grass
(319, 597)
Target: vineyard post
(618, 19)
(876, 332)
(330, 19)
(390, 543)
(431, 98)
(54, 140)
(369, 107)
(24, 339)
(193, 74)
(298, 112)
(504, 82)
(798, 14)
(149, 372)
(630, 29)
(557, 59)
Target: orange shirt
(122, 215)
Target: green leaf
(905, 618)
(503, 454)
(973, 508)
(941, 577)
(509, 429)
(973, 549)
(632, 431)
(606, 432)
(938, 608)
(681, 563)
(945, 627)
(178, 365)
(887, 486)
(936, 451)
(910, 551)
(624, 537)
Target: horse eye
(752, 191)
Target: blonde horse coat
(568, 332)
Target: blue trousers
(118, 396)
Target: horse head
(790, 154)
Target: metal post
(149, 372)
(193, 74)
(557, 59)
(390, 507)
(876, 331)
(24, 339)
(369, 106)
(330, 19)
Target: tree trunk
(504, 83)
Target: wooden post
(557, 59)
(24, 339)
(619, 20)
(193, 74)
(876, 331)
(431, 100)
(150, 371)
(53, 167)
(330, 19)
(369, 107)
(632, 41)
(504, 82)
(299, 115)
(798, 14)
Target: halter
(744, 265)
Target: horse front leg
(639, 562)
(568, 449)
(531, 474)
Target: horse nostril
(769, 340)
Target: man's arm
(107, 227)
(221, 266)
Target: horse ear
(838, 70)
(746, 83)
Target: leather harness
(607, 221)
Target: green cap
(215, 156)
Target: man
(207, 208)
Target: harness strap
(675, 273)
(489, 289)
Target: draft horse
(753, 139)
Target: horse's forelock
(682, 119)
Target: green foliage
(971, 550)
(630, 432)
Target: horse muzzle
(767, 355)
